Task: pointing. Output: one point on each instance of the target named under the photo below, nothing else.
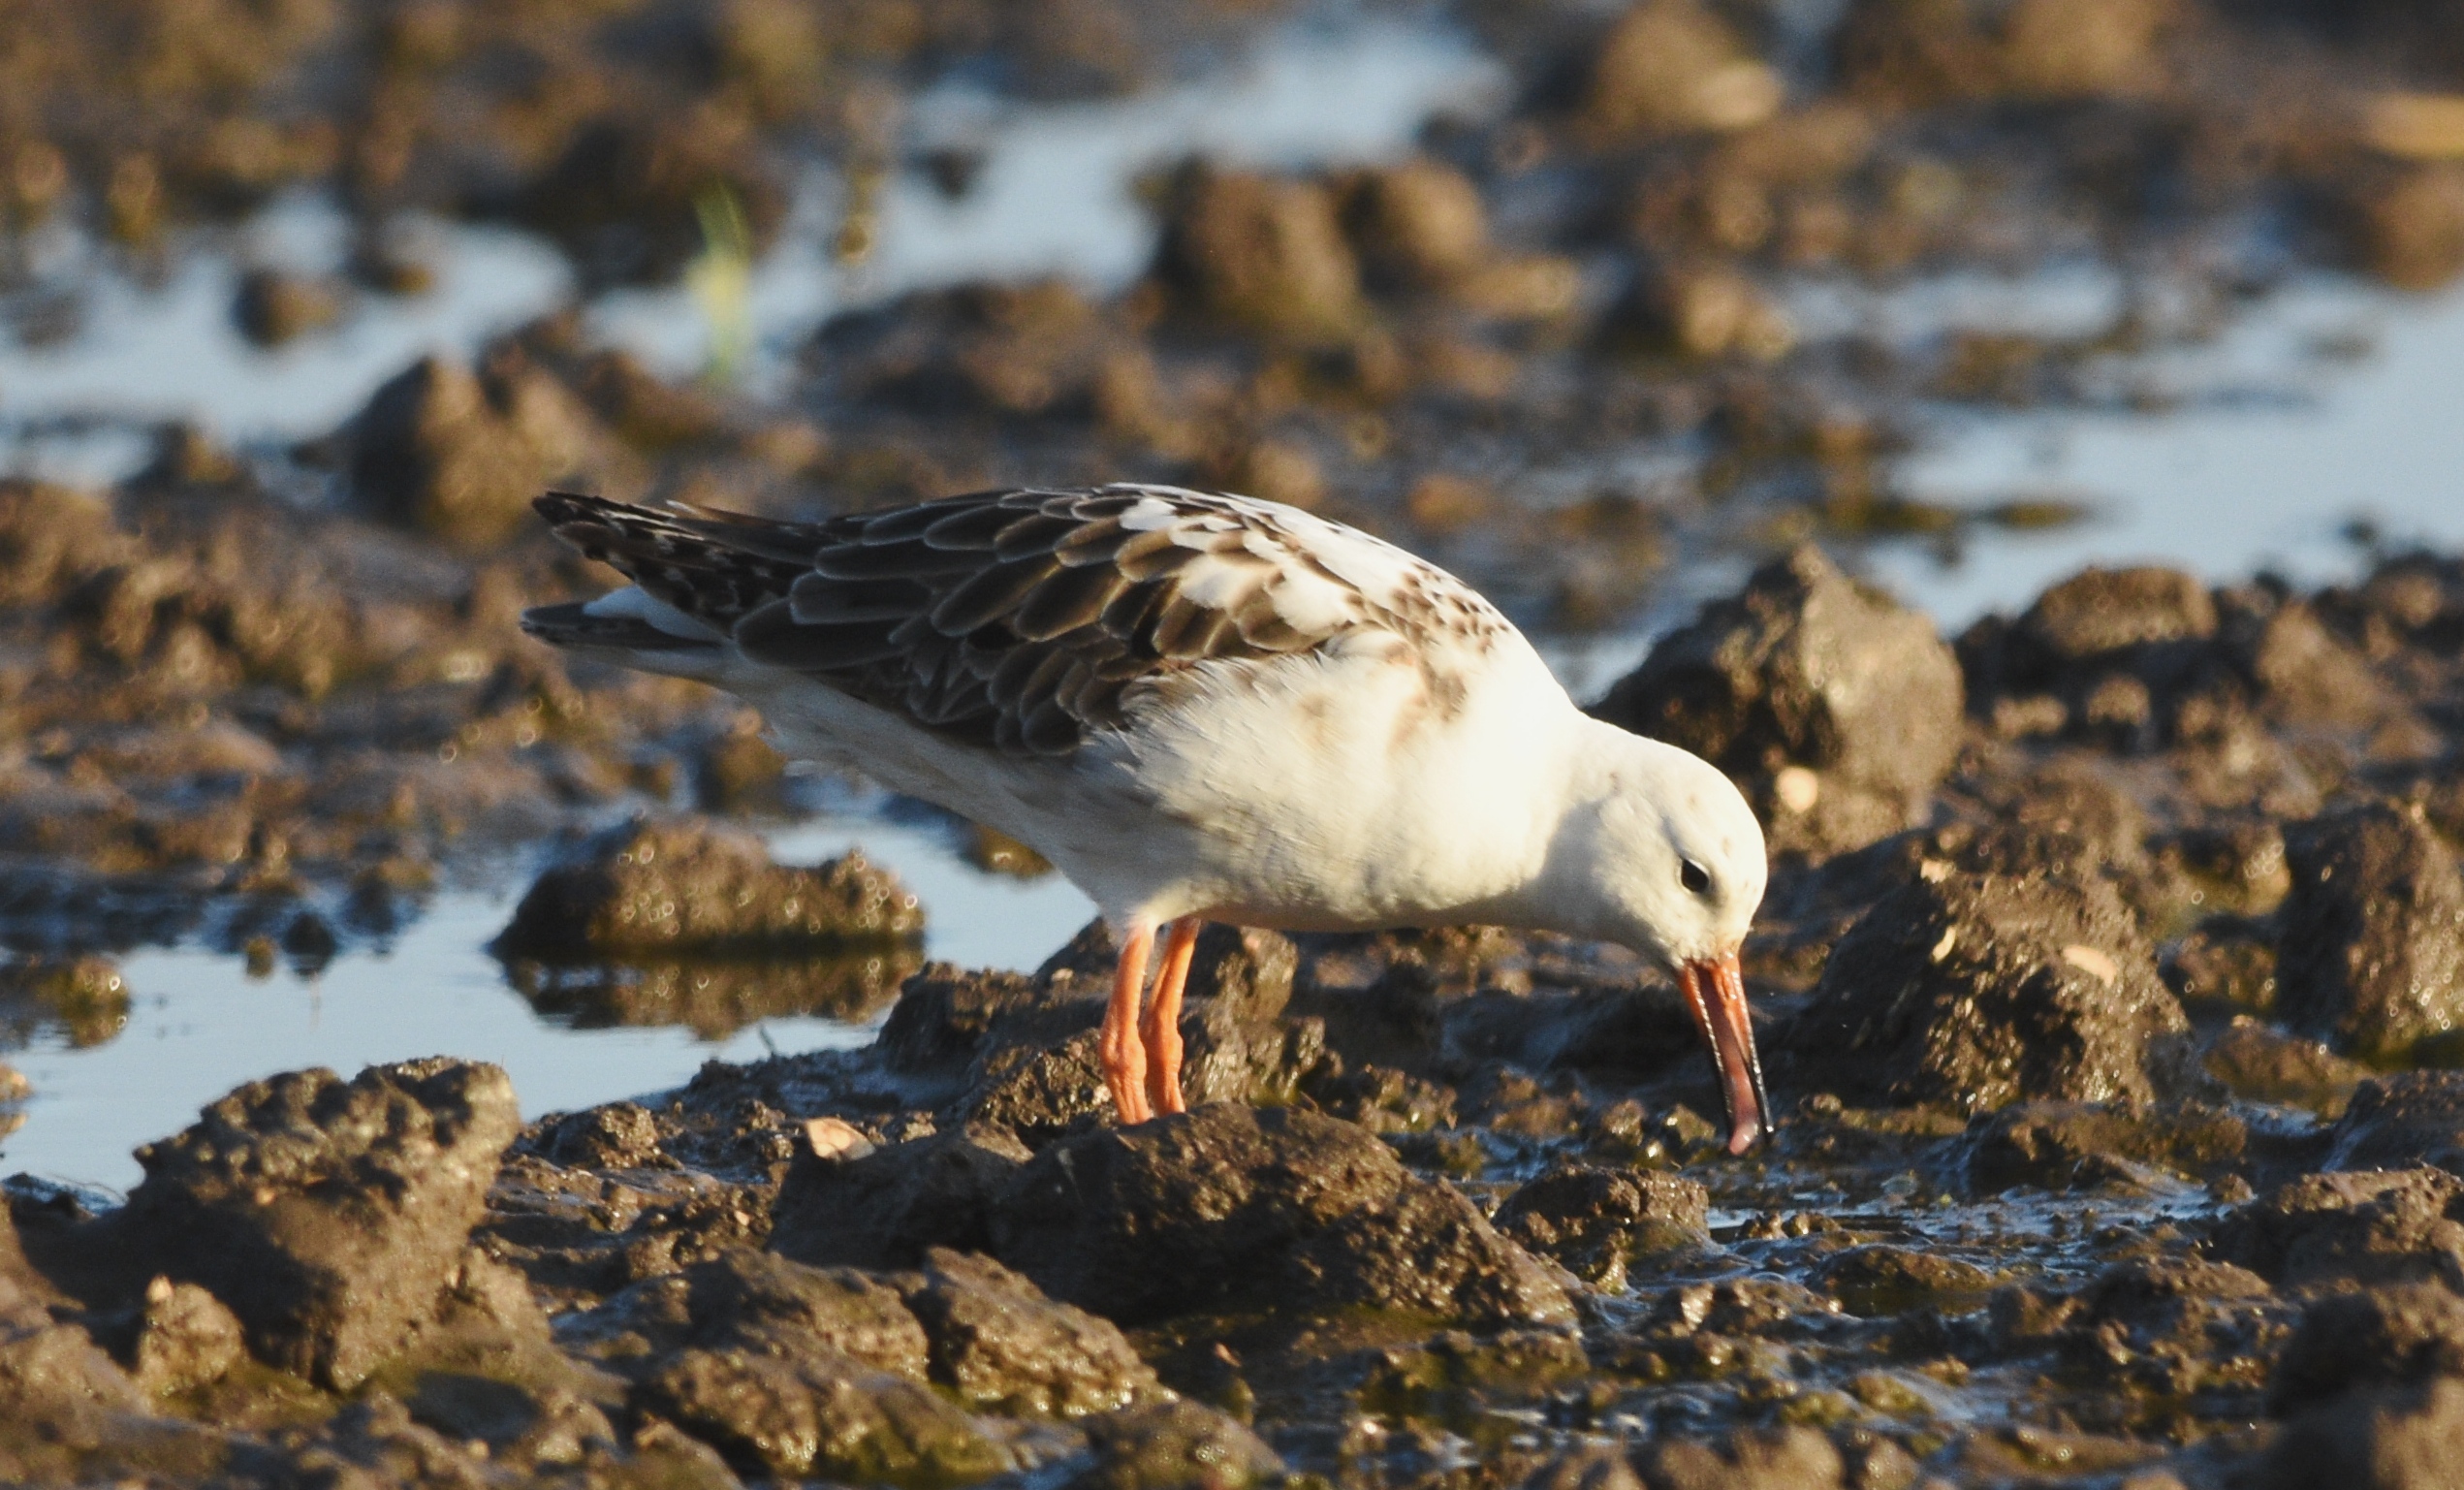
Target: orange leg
(1163, 1028)
(1125, 1061)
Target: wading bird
(1198, 707)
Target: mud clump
(2403, 224)
(1002, 1346)
(2375, 1226)
(328, 1215)
(2403, 1335)
(1596, 1220)
(1259, 252)
(690, 889)
(1977, 990)
(2071, 1145)
(1881, 1280)
(1669, 67)
(1837, 710)
(808, 1418)
(1226, 1208)
(890, 1207)
(2401, 1121)
(1912, 52)
(61, 1398)
(2401, 1440)
(85, 998)
(1020, 1053)
(460, 455)
(2371, 955)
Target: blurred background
(1598, 303)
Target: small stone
(836, 1138)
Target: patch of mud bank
(2040, 1209)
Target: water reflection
(715, 999)
(198, 1021)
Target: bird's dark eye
(1693, 876)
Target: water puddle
(1055, 194)
(2330, 402)
(198, 1024)
(2249, 448)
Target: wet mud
(2110, 978)
(2101, 1163)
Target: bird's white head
(1661, 852)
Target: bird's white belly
(1339, 793)
(1314, 793)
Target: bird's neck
(1588, 763)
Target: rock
(2379, 1227)
(1002, 1346)
(1174, 1445)
(1981, 990)
(2071, 1145)
(2067, 817)
(2408, 1438)
(812, 1416)
(1791, 1458)
(1672, 66)
(443, 451)
(624, 192)
(1455, 1374)
(2240, 867)
(689, 888)
(2401, 1121)
(1594, 1220)
(327, 1215)
(2404, 1335)
(1837, 710)
(2371, 952)
(1226, 1207)
(647, 411)
(1261, 252)
(1877, 1280)
(890, 1207)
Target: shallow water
(2330, 403)
(2325, 401)
(1054, 195)
(198, 1024)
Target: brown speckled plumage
(1020, 621)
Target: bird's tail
(708, 564)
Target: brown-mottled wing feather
(1013, 619)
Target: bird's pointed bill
(1715, 990)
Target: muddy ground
(2111, 978)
